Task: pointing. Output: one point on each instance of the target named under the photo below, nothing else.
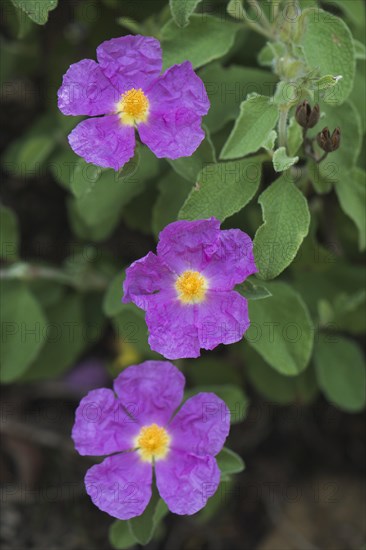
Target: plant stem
(323, 157)
(86, 281)
(282, 128)
(262, 16)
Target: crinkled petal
(120, 485)
(178, 100)
(222, 318)
(186, 481)
(102, 426)
(179, 87)
(232, 262)
(172, 329)
(144, 278)
(151, 391)
(86, 91)
(103, 141)
(130, 61)
(201, 426)
(173, 134)
(189, 244)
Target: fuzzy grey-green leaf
(286, 223)
(222, 189)
(258, 116)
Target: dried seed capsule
(306, 116)
(329, 143)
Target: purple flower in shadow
(137, 426)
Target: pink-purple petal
(201, 426)
(130, 61)
(222, 318)
(103, 141)
(172, 134)
(179, 87)
(144, 278)
(172, 329)
(120, 485)
(188, 244)
(86, 91)
(186, 481)
(151, 391)
(178, 100)
(232, 262)
(102, 426)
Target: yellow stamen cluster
(152, 443)
(133, 107)
(191, 287)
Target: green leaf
(130, 24)
(270, 141)
(182, 10)
(360, 50)
(137, 214)
(36, 10)
(359, 93)
(258, 116)
(208, 370)
(234, 397)
(27, 155)
(173, 191)
(281, 330)
(328, 46)
(143, 527)
(351, 194)
(206, 38)
(286, 222)
(325, 82)
(188, 167)
(64, 339)
(340, 370)
(340, 284)
(9, 235)
(276, 387)
(294, 137)
(270, 52)
(353, 9)
(112, 303)
(229, 462)
(98, 231)
(227, 86)
(281, 161)
(120, 535)
(130, 328)
(223, 189)
(63, 166)
(101, 197)
(23, 327)
(252, 291)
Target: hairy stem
(282, 128)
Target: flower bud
(327, 142)
(306, 116)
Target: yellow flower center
(133, 107)
(191, 287)
(152, 443)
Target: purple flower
(136, 426)
(126, 86)
(187, 288)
